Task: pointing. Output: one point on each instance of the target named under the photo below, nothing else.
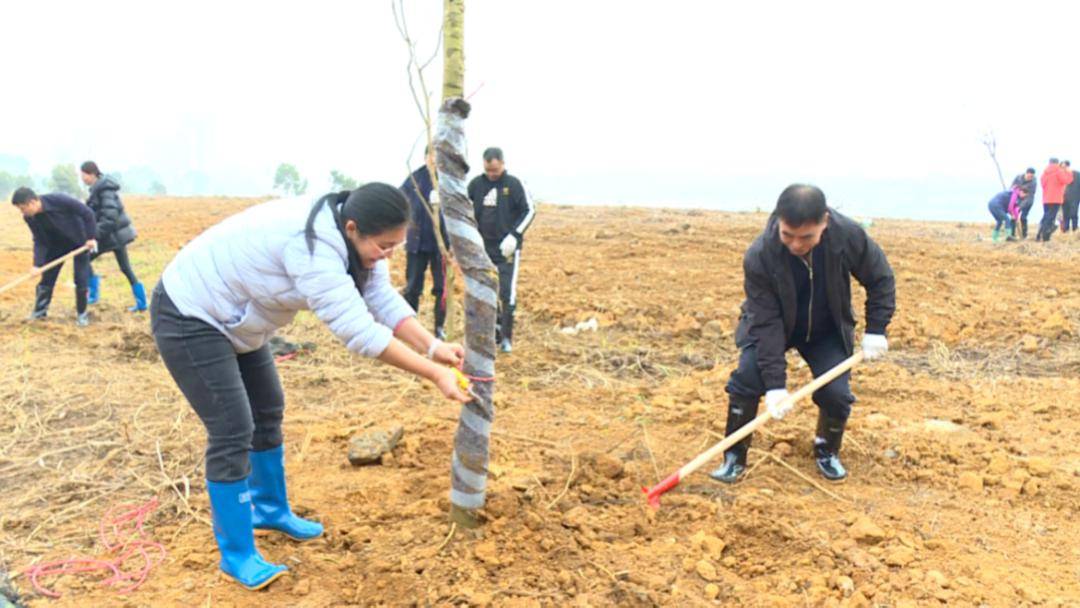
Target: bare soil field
(965, 471)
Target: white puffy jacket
(250, 274)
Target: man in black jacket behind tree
(798, 295)
(422, 246)
(503, 214)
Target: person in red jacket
(1055, 177)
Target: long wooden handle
(738, 435)
(33, 273)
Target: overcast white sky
(715, 104)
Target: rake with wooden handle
(37, 271)
(653, 494)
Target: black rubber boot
(41, 302)
(741, 410)
(1023, 228)
(830, 434)
(507, 322)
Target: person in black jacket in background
(1071, 202)
(114, 231)
(421, 246)
(798, 295)
(503, 214)
(60, 224)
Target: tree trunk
(469, 466)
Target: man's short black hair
(1066, 163)
(493, 154)
(1053, 160)
(800, 204)
(22, 196)
(1030, 170)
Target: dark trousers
(1069, 213)
(508, 273)
(1046, 226)
(1001, 216)
(82, 274)
(122, 260)
(1024, 211)
(416, 265)
(835, 398)
(238, 397)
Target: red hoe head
(652, 495)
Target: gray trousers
(238, 397)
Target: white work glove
(433, 198)
(508, 246)
(874, 346)
(775, 402)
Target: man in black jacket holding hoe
(798, 295)
(60, 224)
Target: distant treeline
(65, 178)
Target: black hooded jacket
(114, 228)
(1072, 191)
(770, 309)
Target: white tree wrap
(469, 465)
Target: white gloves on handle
(874, 346)
(775, 402)
(433, 198)
(508, 246)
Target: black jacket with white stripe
(501, 207)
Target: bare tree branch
(990, 141)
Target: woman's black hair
(90, 168)
(374, 208)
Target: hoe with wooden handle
(653, 494)
(37, 271)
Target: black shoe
(830, 434)
(741, 410)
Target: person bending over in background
(1026, 182)
(60, 224)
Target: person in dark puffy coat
(114, 231)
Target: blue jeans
(834, 399)
(1000, 216)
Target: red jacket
(1054, 179)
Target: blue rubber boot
(95, 289)
(139, 292)
(230, 503)
(268, 495)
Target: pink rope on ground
(285, 357)
(121, 532)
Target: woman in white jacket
(223, 297)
